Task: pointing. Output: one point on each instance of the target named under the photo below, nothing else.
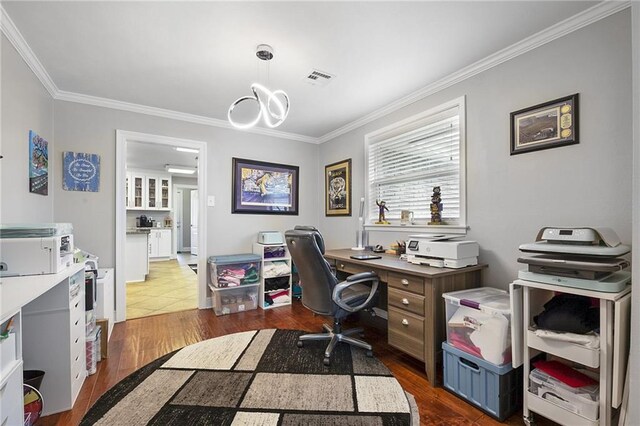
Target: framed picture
(264, 188)
(38, 164)
(81, 172)
(548, 125)
(337, 188)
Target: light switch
(211, 200)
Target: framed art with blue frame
(264, 188)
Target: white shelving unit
(611, 358)
(265, 276)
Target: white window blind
(403, 169)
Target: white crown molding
(62, 95)
(562, 28)
(15, 37)
(580, 20)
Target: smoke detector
(264, 52)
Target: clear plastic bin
(479, 323)
(234, 299)
(92, 352)
(234, 270)
(583, 401)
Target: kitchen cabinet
(147, 191)
(160, 243)
(137, 259)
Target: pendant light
(273, 106)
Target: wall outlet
(211, 200)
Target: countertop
(138, 230)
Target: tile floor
(171, 286)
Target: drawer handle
(404, 281)
(405, 322)
(405, 302)
(342, 265)
(76, 340)
(77, 375)
(77, 357)
(78, 320)
(468, 364)
(77, 304)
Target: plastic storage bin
(234, 270)
(235, 299)
(479, 323)
(92, 352)
(583, 401)
(497, 390)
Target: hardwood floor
(137, 342)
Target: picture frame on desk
(260, 187)
(337, 188)
(548, 125)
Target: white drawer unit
(48, 321)
(11, 403)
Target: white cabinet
(527, 300)
(160, 243)
(57, 320)
(275, 275)
(147, 191)
(137, 257)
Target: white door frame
(175, 222)
(122, 138)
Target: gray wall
(510, 198)
(93, 129)
(26, 105)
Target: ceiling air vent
(319, 78)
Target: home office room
(399, 213)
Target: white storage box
(7, 353)
(92, 352)
(479, 323)
(583, 401)
(234, 299)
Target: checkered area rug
(258, 378)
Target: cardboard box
(104, 336)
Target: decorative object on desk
(81, 172)
(382, 206)
(38, 164)
(406, 217)
(272, 106)
(232, 379)
(548, 125)
(436, 207)
(378, 248)
(337, 187)
(264, 188)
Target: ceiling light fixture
(189, 150)
(273, 106)
(183, 170)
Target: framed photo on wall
(264, 188)
(337, 188)
(548, 125)
(38, 164)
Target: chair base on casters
(334, 335)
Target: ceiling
(198, 57)
(149, 156)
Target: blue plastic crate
(495, 389)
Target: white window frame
(407, 125)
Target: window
(407, 159)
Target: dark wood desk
(417, 323)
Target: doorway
(167, 280)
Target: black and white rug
(258, 378)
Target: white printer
(441, 251)
(35, 249)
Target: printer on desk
(35, 249)
(441, 252)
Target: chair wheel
(370, 354)
(326, 361)
(300, 344)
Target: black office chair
(323, 294)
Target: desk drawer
(406, 332)
(406, 282)
(353, 268)
(406, 301)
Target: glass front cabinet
(147, 191)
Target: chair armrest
(356, 279)
(362, 276)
